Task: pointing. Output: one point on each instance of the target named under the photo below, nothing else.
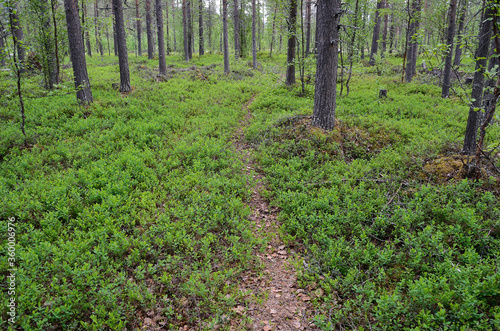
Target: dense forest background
(366, 130)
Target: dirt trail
(284, 306)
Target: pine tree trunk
(2, 49)
(161, 40)
(77, 54)
(474, 119)
(461, 24)
(189, 29)
(139, 28)
(185, 30)
(384, 33)
(254, 41)
(236, 16)
(292, 21)
(225, 37)
(173, 26)
(115, 42)
(167, 25)
(412, 53)
(122, 47)
(50, 68)
(328, 19)
(149, 30)
(201, 39)
(308, 27)
(210, 25)
(97, 28)
(274, 31)
(18, 34)
(376, 31)
(452, 13)
(87, 33)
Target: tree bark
(167, 26)
(474, 117)
(461, 24)
(149, 30)
(161, 39)
(225, 37)
(18, 34)
(292, 22)
(200, 29)
(139, 28)
(274, 30)
(236, 16)
(308, 27)
(49, 63)
(122, 47)
(384, 33)
(173, 26)
(115, 42)
(328, 19)
(77, 55)
(190, 29)
(185, 30)
(2, 49)
(87, 33)
(452, 13)
(97, 27)
(254, 41)
(376, 31)
(412, 53)
(210, 25)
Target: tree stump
(382, 94)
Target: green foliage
(130, 207)
(389, 250)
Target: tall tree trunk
(274, 31)
(149, 30)
(461, 24)
(376, 31)
(292, 22)
(236, 16)
(17, 31)
(200, 30)
(384, 33)
(210, 25)
(97, 27)
(48, 56)
(190, 29)
(166, 23)
(185, 30)
(139, 28)
(308, 27)
(87, 33)
(161, 39)
(328, 19)
(452, 13)
(254, 41)
(351, 46)
(412, 53)
(2, 49)
(13, 21)
(225, 37)
(115, 42)
(77, 55)
(173, 26)
(474, 118)
(122, 47)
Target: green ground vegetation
(135, 207)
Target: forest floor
(283, 305)
(200, 201)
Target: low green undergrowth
(130, 212)
(386, 248)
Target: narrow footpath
(283, 306)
